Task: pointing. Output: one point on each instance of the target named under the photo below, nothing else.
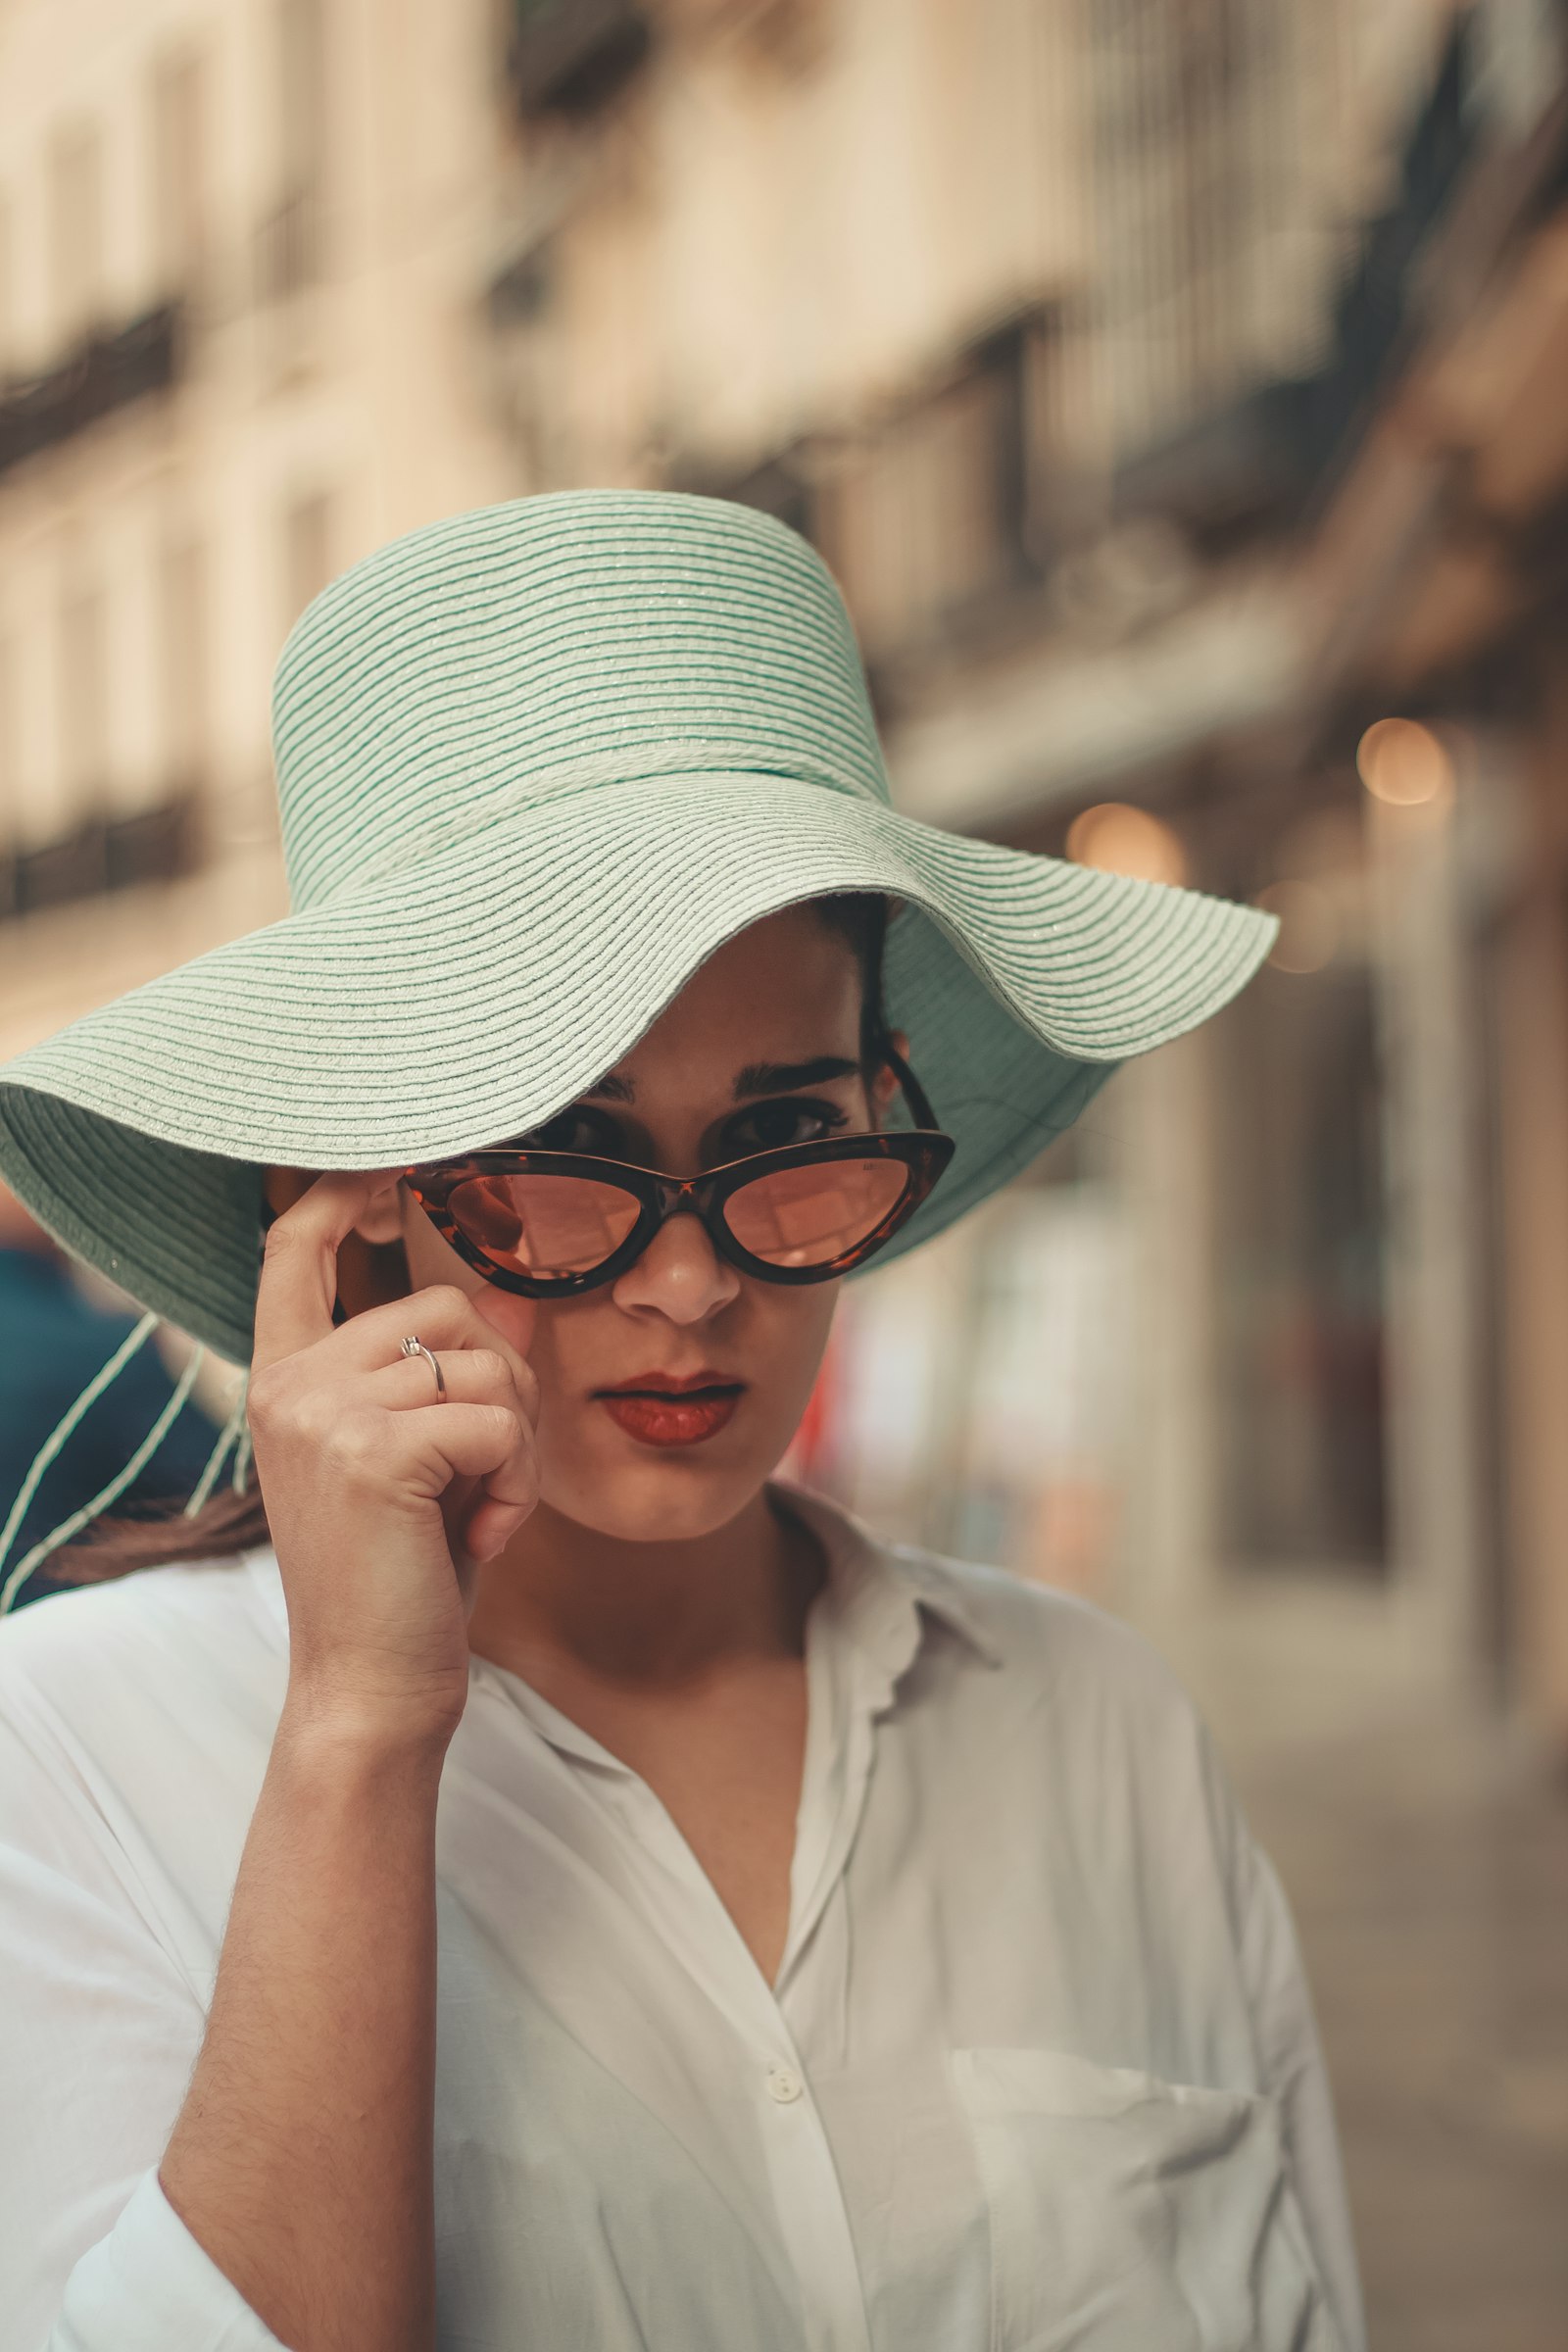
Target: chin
(671, 1497)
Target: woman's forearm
(301, 2159)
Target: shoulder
(1047, 1651)
(1044, 1641)
(146, 1613)
(1068, 1692)
(1072, 1723)
(158, 1653)
(136, 1723)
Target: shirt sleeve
(1293, 2071)
(99, 2029)
(149, 2287)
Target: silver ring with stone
(417, 1347)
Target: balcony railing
(109, 371)
(937, 516)
(568, 56)
(1261, 461)
(103, 853)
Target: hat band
(561, 781)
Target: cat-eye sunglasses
(552, 1224)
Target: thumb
(512, 1316)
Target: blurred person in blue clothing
(52, 1340)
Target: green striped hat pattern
(535, 762)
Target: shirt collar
(877, 1601)
(879, 1595)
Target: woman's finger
(501, 1502)
(490, 1523)
(472, 1376)
(298, 1286)
(443, 1316)
(482, 1513)
(486, 1442)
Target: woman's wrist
(325, 1727)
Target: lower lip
(670, 1420)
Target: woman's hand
(381, 1500)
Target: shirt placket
(813, 2214)
(807, 2197)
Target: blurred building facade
(239, 346)
(1177, 395)
(1174, 393)
(1177, 392)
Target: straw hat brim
(474, 992)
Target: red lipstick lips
(664, 1408)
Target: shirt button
(784, 2085)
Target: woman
(565, 1888)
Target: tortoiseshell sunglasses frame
(925, 1150)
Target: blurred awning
(1006, 744)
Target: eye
(771, 1125)
(575, 1129)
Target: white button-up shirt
(1038, 2070)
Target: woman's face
(759, 1049)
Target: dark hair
(229, 1523)
(860, 916)
(157, 1537)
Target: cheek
(798, 1335)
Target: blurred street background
(1179, 389)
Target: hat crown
(550, 644)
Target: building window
(10, 787)
(308, 563)
(179, 172)
(1204, 209)
(10, 782)
(1301, 1335)
(8, 294)
(302, 92)
(84, 728)
(183, 664)
(76, 230)
(66, 844)
(289, 240)
(940, 513)
(570, 56)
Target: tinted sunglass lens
(810, 1217)
(547, 1227)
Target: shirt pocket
(1128, 2213)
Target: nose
(680, 1275)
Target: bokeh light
(1310, 925)
(1403, 762)
(1124, 840)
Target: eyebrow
(757, 1078)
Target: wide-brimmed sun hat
(535, 763)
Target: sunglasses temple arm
(914, 1093)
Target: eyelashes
(824, 1117)
(760, 1127)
